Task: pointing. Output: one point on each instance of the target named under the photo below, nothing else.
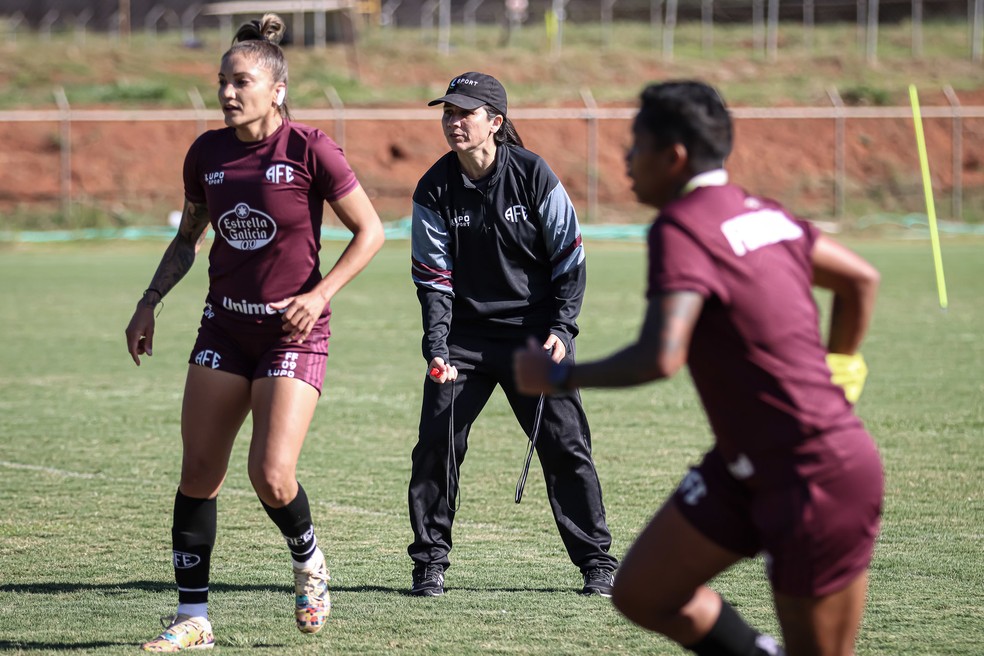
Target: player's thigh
(213, 410)
(282, 412)
(667, 563)
(824, 626)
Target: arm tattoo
(680, 312)
(180, 253)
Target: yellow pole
(928, 192)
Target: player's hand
(140, 333)
(848, 372)
(531, 367)
(555, 347)
(300, 313)
(441, 372)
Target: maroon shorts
(260, 350)
(817, 530)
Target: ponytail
(507, 133)
(269, 28)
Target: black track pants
(563, 447)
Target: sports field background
(89, 450)
(88, 172)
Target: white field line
(231, 491)
(48, 470)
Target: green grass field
(89, 457)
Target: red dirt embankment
(135, 167)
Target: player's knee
(200, 479)
(634, 601)
(276, 486)
(641, 604)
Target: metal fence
(444, 20)
(340, 119)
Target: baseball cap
(473, 90)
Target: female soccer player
(792, 474)
(262, 183)
(497, 256)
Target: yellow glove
(848, 372)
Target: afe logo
(692, 488)
(515, 213)
(184, 560)
(208, 358)
(280, 173)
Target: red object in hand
(435, 372)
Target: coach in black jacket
(497, 259)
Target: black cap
(473, 90)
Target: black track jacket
(504, 263)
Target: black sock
(192, 539)
(294, 522)
(731, 636)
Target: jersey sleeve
(810, 235)
(562, 236)
(678, 262)
(432, 270)
(194, 187)
(332, 175)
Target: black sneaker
(428, 581)
(598, 581)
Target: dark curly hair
(691, 113)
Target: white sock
(194, 610)
(316, 559)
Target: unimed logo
(183, 560)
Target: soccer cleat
(182, 632)
(598, 581)
(312, 605)
(428, 581)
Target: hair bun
(269, 28)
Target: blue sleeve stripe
(429, 243)
(561, 231)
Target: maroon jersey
(265, 201)
(756, 358)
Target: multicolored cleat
(311, 601)
(182, 632)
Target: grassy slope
(401, 66)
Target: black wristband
(160, 297)
(560, 376)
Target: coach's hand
(555, 347)
(441, 372)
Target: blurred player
(496, 257)
(793, 474)
(262, 183)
